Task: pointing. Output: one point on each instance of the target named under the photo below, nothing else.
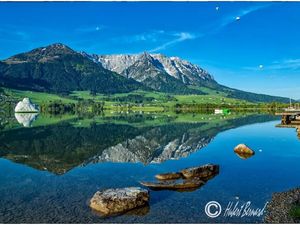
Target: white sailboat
(291, 108)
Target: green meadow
(37, 97)
(136, 101)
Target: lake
(52, 167)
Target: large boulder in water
(26, 106)
(243, 149)
(119, 200)
(204, 171)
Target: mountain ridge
(175, 67)
(58, 68)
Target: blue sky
(260, 52)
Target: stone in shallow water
(243, 155)
(119, 200)
(168, 176)
(185, 180)
(200, 171)
(243, 149)
(175, 185)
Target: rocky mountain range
(171, 74)
(157, 71)
(58, 68)
(175, 67)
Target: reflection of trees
(61, 147)
(6, 105)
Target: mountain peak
(59, 45)
(146, 55)
(58, 68)
(42, 54)
(58, 48)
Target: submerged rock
(200, 171)
(168, 176)
(26, 106)
(244, 155)
(187, 179)
(243, 149)
(139, 211)
(119, 200)
(175, 185)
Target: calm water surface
(49, 173)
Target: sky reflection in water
(48, 173)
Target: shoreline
(278, 210)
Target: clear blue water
(58, 191)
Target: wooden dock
(292, 113)
(289, 116)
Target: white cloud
(234, 17)
(165, 38)
(288, 64)
(183, 36)
(168, 39)
(151, 36)
(14, 33)
(177, 37)
(292, 64)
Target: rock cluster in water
(119, 200)
(26, 106)
(190, 178)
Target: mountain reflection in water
(60, 147)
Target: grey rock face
(26, 106)
(116, 63)
(153, 64)
(115, 201)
